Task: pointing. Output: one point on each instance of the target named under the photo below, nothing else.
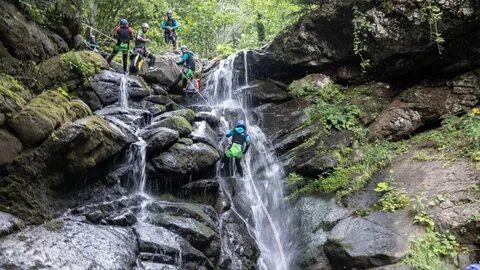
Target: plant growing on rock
(432, 13)
(361, 28)
(393, 198)
(78, 65)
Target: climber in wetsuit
(188, 62)
(170, 26)
(239, 146)
(123, 33)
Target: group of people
(123, 34)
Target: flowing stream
(262, 185)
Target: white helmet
(145, 25)
(184, 47)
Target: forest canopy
(209, 27)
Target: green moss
(79, 109)
(185, 113)
(24, 199)
(180, 123)
(13, 96)
(186, 141)
(77, 64)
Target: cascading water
(262, 184)
(123, 93)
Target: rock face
(398, 43)
(10, 147)
(44, 114)
(262, 92)
(13, 97)
(422, 105)
(57, 244)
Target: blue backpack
(473, 267)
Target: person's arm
(183, 60)
(140, 38)
(115, 32)
(175, 25)
(164, 24)
(247, 142)
(229, 133)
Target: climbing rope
(100, 32)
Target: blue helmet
(123, 22)
(242, 124)
(473, 267)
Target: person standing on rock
(123, 33)
(188, 62)
(170, 26)
(239, 146)
(141, 41)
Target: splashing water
(262, 184)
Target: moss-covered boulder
(45, 113)
(177, 123)
(185, 113)
(13, 97)
(70, 69)
(10, 147)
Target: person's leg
(238, 164)
(110, 57)
(151, 58)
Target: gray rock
(212, 119)
(69, 243)
(203, 191)
(185, 159)
(378, 239)
(262, 92)
(202, 132)
(124, 219)
(159, 99)
(159, 139)
(177, 123)
(9, 224)
(10, 147)
(185, 113)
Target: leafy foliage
(209, 27)
(75, 63)
(361, 27)
(393, 198)
(426, 251)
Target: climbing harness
(189, 81)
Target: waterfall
(262, 184)
(123, 93)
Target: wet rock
(63, 70)
(378, 239)
(177, 123)
(295, 138)
(44, 114)
(159, 90)
(203, 191)
(185, 113)
(372, 99)
(279, 120)
(232, 114)
(9, 224)
(159, 139)
(202, 132)
(158, 240)
(262, 92)
(56, 246)
(212, 119)
(10, 147)
(106, 86)
(185, 159)
(422, 105)
(124, 219)
(166, 71)
(239, 248)
(158, 99)
(315, 217)
(95, 217)
(158, 266)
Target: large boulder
(71, 69)
(25, 39)
(177, 123)
(9, 224)
(44, 114)
(13, 97)
(262, 92)
(378, 239)
(62, 242)
(421, 105)
(396, 38)
(166, 71)
(202, 132)
(10, 147)
(104, 89)
(159, 139)
(183, 159)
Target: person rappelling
(140, 49)
(238, 146)
(170, 26)
(188, 62)
(123, 33)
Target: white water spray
(123, 95)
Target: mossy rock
(13, 97)
(185, 113)
(177, 123)
(10, 147)
(71, 69)
(44, 114)
(25, 199)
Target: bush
(393, 198)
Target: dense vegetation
(210, 27)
